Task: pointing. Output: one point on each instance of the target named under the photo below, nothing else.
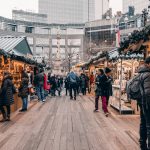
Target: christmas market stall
(131, 54)
(15, 56)
(124, 67)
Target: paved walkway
(62, 124)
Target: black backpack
(134, 88)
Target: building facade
(68, 11)
(139, 5)
(29, 16)
(100, 35)
(43, 38)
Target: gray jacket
(145, 77)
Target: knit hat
(107, 70)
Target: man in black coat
(144, 104)
(106, 90)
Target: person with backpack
(73, 79)
(138, 89)
(24, 91)
(98, 88)
(6, 96)
(106, 90)
(39, 84)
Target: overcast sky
(6, 6)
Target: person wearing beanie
(106, 89)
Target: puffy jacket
(7, 91)
(145, 79)
(72, 78)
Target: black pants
(7, 112)
(84, 91)
(73, 88)
(144, 128)
(66, 91)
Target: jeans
(25, 103)
(144, 128)
(105, 101)
(73, 87)
(84, 91)
(40, 93)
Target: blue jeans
(40, 93)
(25, 103)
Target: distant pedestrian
(73, 80)
(67, 86)
(53, 85)
(83, 83)
(24, 91)
(39, 84)
(58, 85)
(6, 96)
(98, 91)
(92, 79)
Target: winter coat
(45, 82)
(145, 80)
(106, 86)
(53, 83)
(72, 78)
(83, 82)
(39, 80)
(92, 79)
(98, 91)
(23, 89)
(7, 91)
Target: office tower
(68, 11)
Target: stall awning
(16, 45)
(114, 54)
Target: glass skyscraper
(139, 5)
(68, 11)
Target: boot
(4, 118)
(8, 118)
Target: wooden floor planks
(63, 124)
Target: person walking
(106, 90)
(24, 91)
(39, 84)
(144, 104)
(73, 79)
(6, 96)
(58, 85)
(83, 83)
(53, 85)
(98, 91)
(92, 79)
(66, 85)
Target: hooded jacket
(72, 78)
(145, 79)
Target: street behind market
(64, 124)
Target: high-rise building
(101, 7)
(29, 16)
(139, 5)
(68, 11)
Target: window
(29, 30)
